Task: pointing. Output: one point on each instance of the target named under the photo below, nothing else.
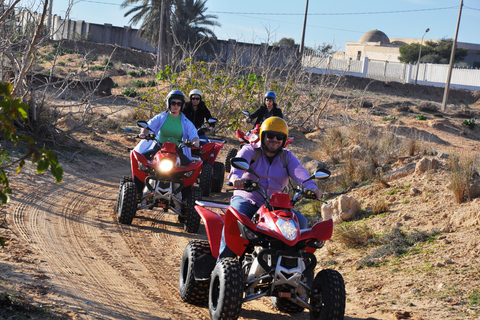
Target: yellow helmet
(274, 124)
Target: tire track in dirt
(154, 248)
(61, 227)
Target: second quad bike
(162, 179)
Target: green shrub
(421, 117)
(469, 123)
(132, 93)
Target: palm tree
(190, 25)
(186, 22)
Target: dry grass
(380, 206)
(353, 235)
(462, 170)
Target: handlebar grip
(230, 183)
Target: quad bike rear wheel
(127, 204)
(206, 179)
(218, 176)
(328, 296)
(232, 153)
(226, 290)
(191, 219)
(122, 181)
(193, 291)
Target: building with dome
(377, 46)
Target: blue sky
(329, 21)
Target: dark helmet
(175, 94)
(270, 95)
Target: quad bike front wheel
(127, 204)
(205, 178)
(226, 290)
(122, 182)
(192, 291)
(218, 176)
(232, 153)
(328, 296)
(191, 219)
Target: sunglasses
(195, 98)
(176, 103)
(279, 136)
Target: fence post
(409, 73)
(365, 67)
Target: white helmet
(195, 91)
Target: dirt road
(98, 269)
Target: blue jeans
(249, 209)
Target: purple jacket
(273, 177)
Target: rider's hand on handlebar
(196, 142)
(239, 183)
(318, 193)
(143, 133)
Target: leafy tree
(186, 21)
(287, 42)
(432, 51)
(13, 110)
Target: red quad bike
(164, 179)
(213, 172)
(274, 258)
(251, 136)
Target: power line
(332, 13)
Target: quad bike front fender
(233, 237)
(213, 226)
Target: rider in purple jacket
(271, 170)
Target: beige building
(376, 46)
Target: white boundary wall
(428, 74)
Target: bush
(469, 123)
(132, 93)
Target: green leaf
(42, 165)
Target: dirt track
(98, 269)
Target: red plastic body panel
(213, 225)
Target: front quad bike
(163, 178)
(213, 172)
(273, 258)
(251, 136)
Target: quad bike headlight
(288, 228)
(165, 165)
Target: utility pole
(49, 21)
(452, 58)
(160, 39)
(303, 31)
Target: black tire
(285, 305)
(218, 176)
(127, 205)
(206, 179)
(232, 153)
(191, 219)
(192, 291)
(122, 181)
(226, 290)
(328, 296)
